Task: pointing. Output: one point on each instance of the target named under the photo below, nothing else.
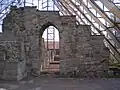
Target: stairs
(52, 68)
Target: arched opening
(50, 42)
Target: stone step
(50, 71)
(52, 68)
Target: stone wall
(44, 56)
(77, 47)
(2, 60)
(12, 61)
(85, 55)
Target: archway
(50, 44)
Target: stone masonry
(81, 54)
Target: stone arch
(46, 25)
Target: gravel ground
(52, 83)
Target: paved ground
(52, 83)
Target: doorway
(51, 43)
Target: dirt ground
(61, 83)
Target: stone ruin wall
(80, 53)
(84, 55)
(12, 61)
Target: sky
(40, 7)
